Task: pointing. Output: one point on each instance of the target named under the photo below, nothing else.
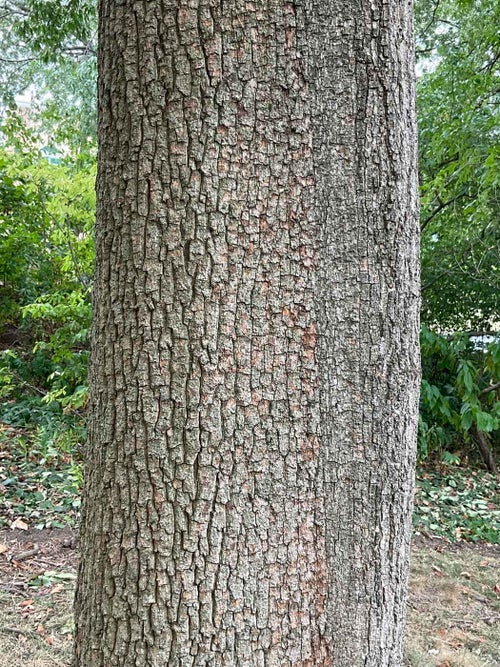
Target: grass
(36, 599)
(454, 604)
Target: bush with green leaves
(460, 407)
(46, 264)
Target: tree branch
(441, 206)
(491, 387)
(433, 17)
(435, 280)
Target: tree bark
(485, 450)
(368, 303)
(254, 374)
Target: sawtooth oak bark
(254, 374)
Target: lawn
(454, 602)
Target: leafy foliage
(459, 395)
(459, 47)
(46, 262)
(55, 28)
(40, 472)
(49, 55)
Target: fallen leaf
(19, 524)
(18, 565)
(61, 576)
(26, 603)
(56, 589)
(3, 548)
(496, 588)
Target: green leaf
(486, 422)
(466, 420)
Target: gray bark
(366, 203)
(254, 351)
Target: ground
(36, 596)
(454, 606)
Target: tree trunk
(254, 375)
(484, 449)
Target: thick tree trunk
(254, 373)
(366, 204)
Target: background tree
(46, 265)
(457, 42)
(49, 55)
(47, 210)
(459, 59)
(255, 373)
(459, 47)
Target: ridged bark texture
(367, 307)
(254, 350)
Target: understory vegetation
(47, 204)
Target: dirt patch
(37, 577)
(443, 545)
(454, 606)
